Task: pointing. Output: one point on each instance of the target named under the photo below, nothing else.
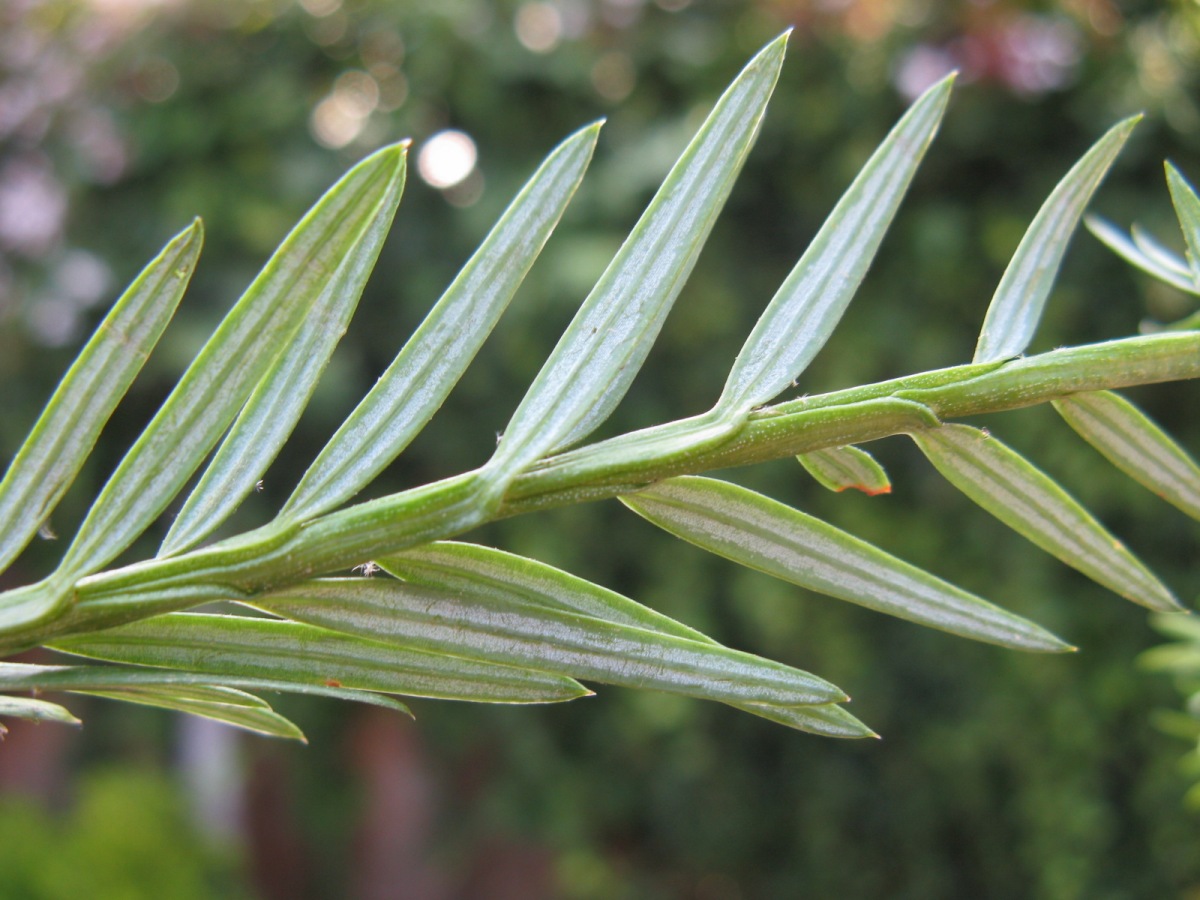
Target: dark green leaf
(810, 303)
(469, 570)
(1187, 208)
(1176, 724)
(257, 717)
(23, 676)
(243, 349)
(1026, 500)
(597, 357)
(230, 647)
(1135, 254)
(1016, 308)
(431, 363)
(63, 437)
(192, 693)
(1134, 444)
(843, 468)
(498, 577)
(1179, 658)
(1182, 627)
(827, 720)
(1155, 251)
(277, 402)
(534, 636)
(35, 710)
(758, 532)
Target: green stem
(287, 552)
(863, 414)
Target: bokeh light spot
(321, 8)
(393, 86)
(539, 26)
(341, 117)
(157, 80)
(613, 76)
(357, 92)
(446, 159)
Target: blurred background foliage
(1000, 774)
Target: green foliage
(63, 437)
(842, 468)
(128, 837)
(1005, 484)
(1016, 308)
(520, 633)
(762, 534)
(1137, 446)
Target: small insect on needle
(367, 569)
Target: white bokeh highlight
(447, 159)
